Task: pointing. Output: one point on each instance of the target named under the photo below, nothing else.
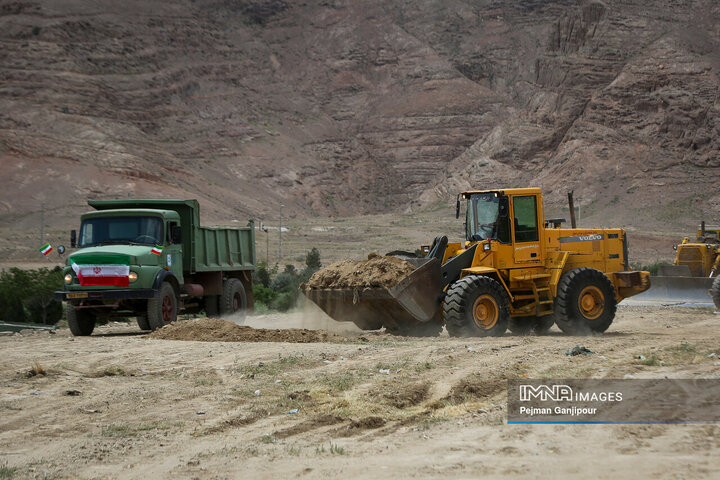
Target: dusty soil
(376, 271)
(122, 405)
(215, 330)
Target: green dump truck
(151, 259)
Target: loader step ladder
(543, 299)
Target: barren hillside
(343, 107)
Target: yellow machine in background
(701, 257)
(515, 270)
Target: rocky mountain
(342, 107)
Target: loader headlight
(674, 247)
(132, 277)
(68, 279)
(486, 247)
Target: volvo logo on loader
(545, 393)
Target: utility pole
(280, 237)
(267, 244)
(42, 223)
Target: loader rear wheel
(524, 325)
(476, 306)
(715, 292)
(585, 302)
(81, 322)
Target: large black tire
(476, 306)
(524, 325)
(163, 309)
(431, 328)
(142, 321)
(81, 322)
(715, 292)
(212, 306)
(585, 302)
(233, 300)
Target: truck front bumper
(127, 294)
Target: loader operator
(487, 219)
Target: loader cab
(510, 221)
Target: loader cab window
(525, 219)
(481, 217)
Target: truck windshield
(121, 230)
(481, 216)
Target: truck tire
(585, 302)
(211, 305)
(715, 292)
(142, 321)
(524, 325)
(81, 322)
(163, 309)
(233, 300)
(476, 306)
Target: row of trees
(26, 296)
(280, 291)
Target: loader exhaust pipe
(571, 203)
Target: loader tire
(524, 325)
(476, 306)
(163, 309)
(431, 328)
(715, 292)
(585, 302)
(233, 300)
(81, 322)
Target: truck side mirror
(176, 234)
(73, 239)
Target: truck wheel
(81, 322)
(210, 303)
(476, 306)
(142, 321)
(585, 302)
(233, 300)
(163, 309)
(715, 292)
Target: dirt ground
(367, 405)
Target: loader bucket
(416, 298)
(677, 290)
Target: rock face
(344, 107)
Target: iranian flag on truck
(101, 270)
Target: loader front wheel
(585, 302)
(715, 292)
(524, 325)
(476, 306)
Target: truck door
(525, 230)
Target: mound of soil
(214, 330)
(376, 271)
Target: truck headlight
(68, 279)
(132, 277)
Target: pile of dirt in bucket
(376, 271)
(214, 330)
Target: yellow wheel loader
(694, 274)
(514, 270)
